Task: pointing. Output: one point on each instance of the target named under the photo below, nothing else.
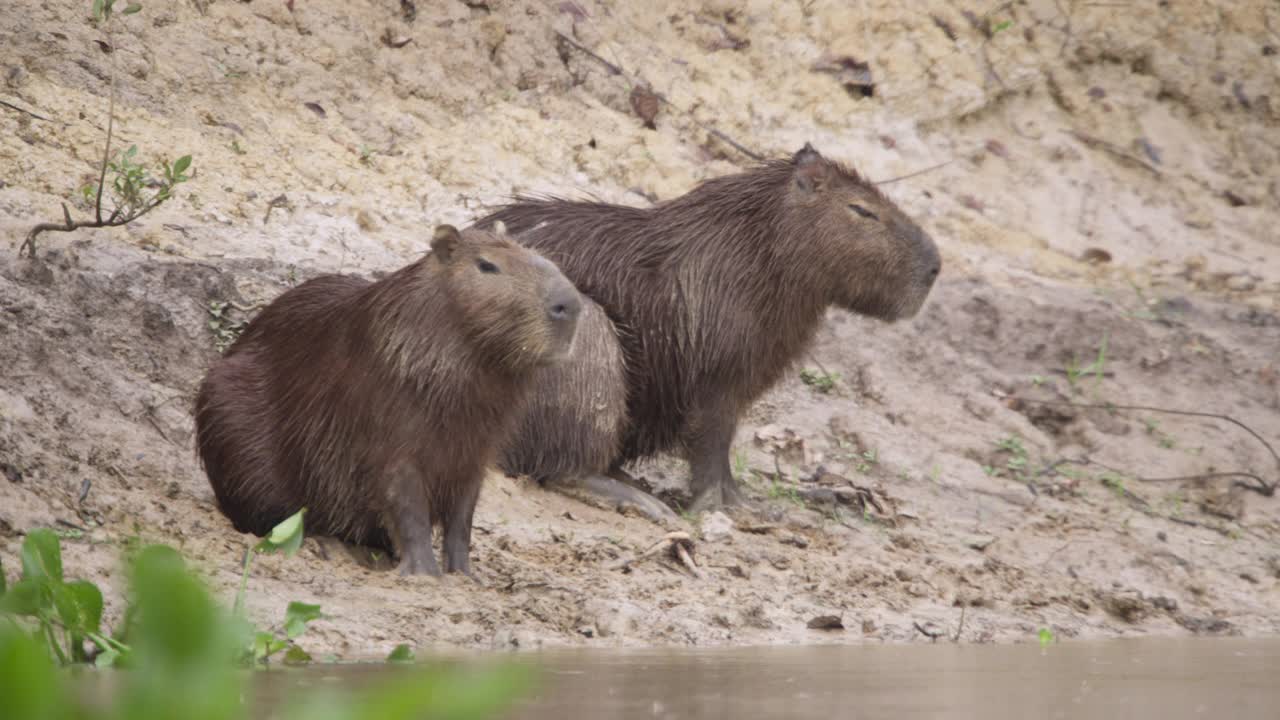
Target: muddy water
(1220, 678)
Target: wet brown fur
(378, 405)
(577, 414)
(716, 293)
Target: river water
(1133, 679)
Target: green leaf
(97, 9)
(42, 555)
(296, 656)
(286, 537)
(87, 600)
(29, 683)
(265, 645)
(401, 654)
(296, 617)
(131, 9)
(106, 658)
(181, 165)
(27, 597)
(1046, 637)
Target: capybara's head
(874, 259)
(514, 304)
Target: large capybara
(714, 295)
(378, 405)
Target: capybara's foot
(419, 562)
(606, 491)
(719, 495)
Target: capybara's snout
(563, 306)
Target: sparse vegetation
(226, 329)
(1076, 372)
(132, 190)
(820, 380)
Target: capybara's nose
(564, 305)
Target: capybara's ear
(812, 170)
(499, 228)
(445, 241)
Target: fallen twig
(1114, 150)
(24, 111)
(680, 546)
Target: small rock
(1241, 283)
(979, 542)
(716, 526)
(795, 540)
(868, 627)
(826, 622)
(1165, 603)
(1129, 607)
(587, 631)
(1204, 625)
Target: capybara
(714, 295)
(378, 405)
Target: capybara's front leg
(457, 531)
(711, 478)
(408, 516)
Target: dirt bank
(1111, 180)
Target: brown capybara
(715, 294)
(377, 405)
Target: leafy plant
(820, 380)
(1018, 460)
(1076, 372)
(286, 537)
(226, 330)
(64, 615)
(134, 190)
(184, 651)
(1046, 637)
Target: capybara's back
(376, 406)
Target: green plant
(866, 460)
(740, 464)
(235, 147)
(779, 490)
(1018, 459)
(1165, 440)
(226, 330)
(183, 660)
(1114, 481)
(820, 380)
(1046, 637)
(63, 614)
(134, 191)
(1076, 372)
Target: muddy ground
(1110, 189)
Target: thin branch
(24, 111)
(111, 121)
(929, 169)
(1265, 488)
(617, 70)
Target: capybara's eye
(863, 211)
(487, 267)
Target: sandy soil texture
(1103, 180)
